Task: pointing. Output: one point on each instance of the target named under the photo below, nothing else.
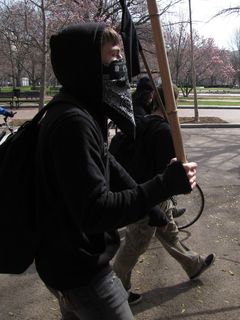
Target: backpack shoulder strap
(42, 111)
(56, 99)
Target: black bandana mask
(117, 97)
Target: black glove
(157, 217)
(176, 179)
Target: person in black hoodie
(148, 155)
(142, 97)
(82, 194)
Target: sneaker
(206, 264)
(178, 212)
(134, 298)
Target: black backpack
(18, 232)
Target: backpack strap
(41, 112)
(61, 97)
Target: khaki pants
(137, 240)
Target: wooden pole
(166, 80)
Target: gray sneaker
(134, 298)
(206, 264)
(178, 212)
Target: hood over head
(76, 61)
(77, 64)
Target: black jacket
(77, 211)
(150, 153)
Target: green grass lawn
(201, 102)
(211, 97)
(29, 88)
(215, 97)
(218, 90)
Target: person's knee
(168, 235)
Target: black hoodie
(77, 212)
(151, 151)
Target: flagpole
(166, 80)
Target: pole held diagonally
(166, 80)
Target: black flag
(130, 42)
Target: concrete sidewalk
(167, 292)
(232, 116)
(25, 113)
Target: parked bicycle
(5, 127)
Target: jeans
(137, 239)
(103, 299)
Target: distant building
(25, 82)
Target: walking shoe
(178, 212)
(206, 264)
(134, 298)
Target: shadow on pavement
(160, 296)
(201, 314)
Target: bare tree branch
(228, 11)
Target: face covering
(117, 97)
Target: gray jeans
(137, 240)
(103, 299)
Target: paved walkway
(26, 113)
(167, 292)
(230, 115)
(168, 295)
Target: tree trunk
(196, 115)
(12, 65)
(44, 57)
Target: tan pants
(137, 240)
